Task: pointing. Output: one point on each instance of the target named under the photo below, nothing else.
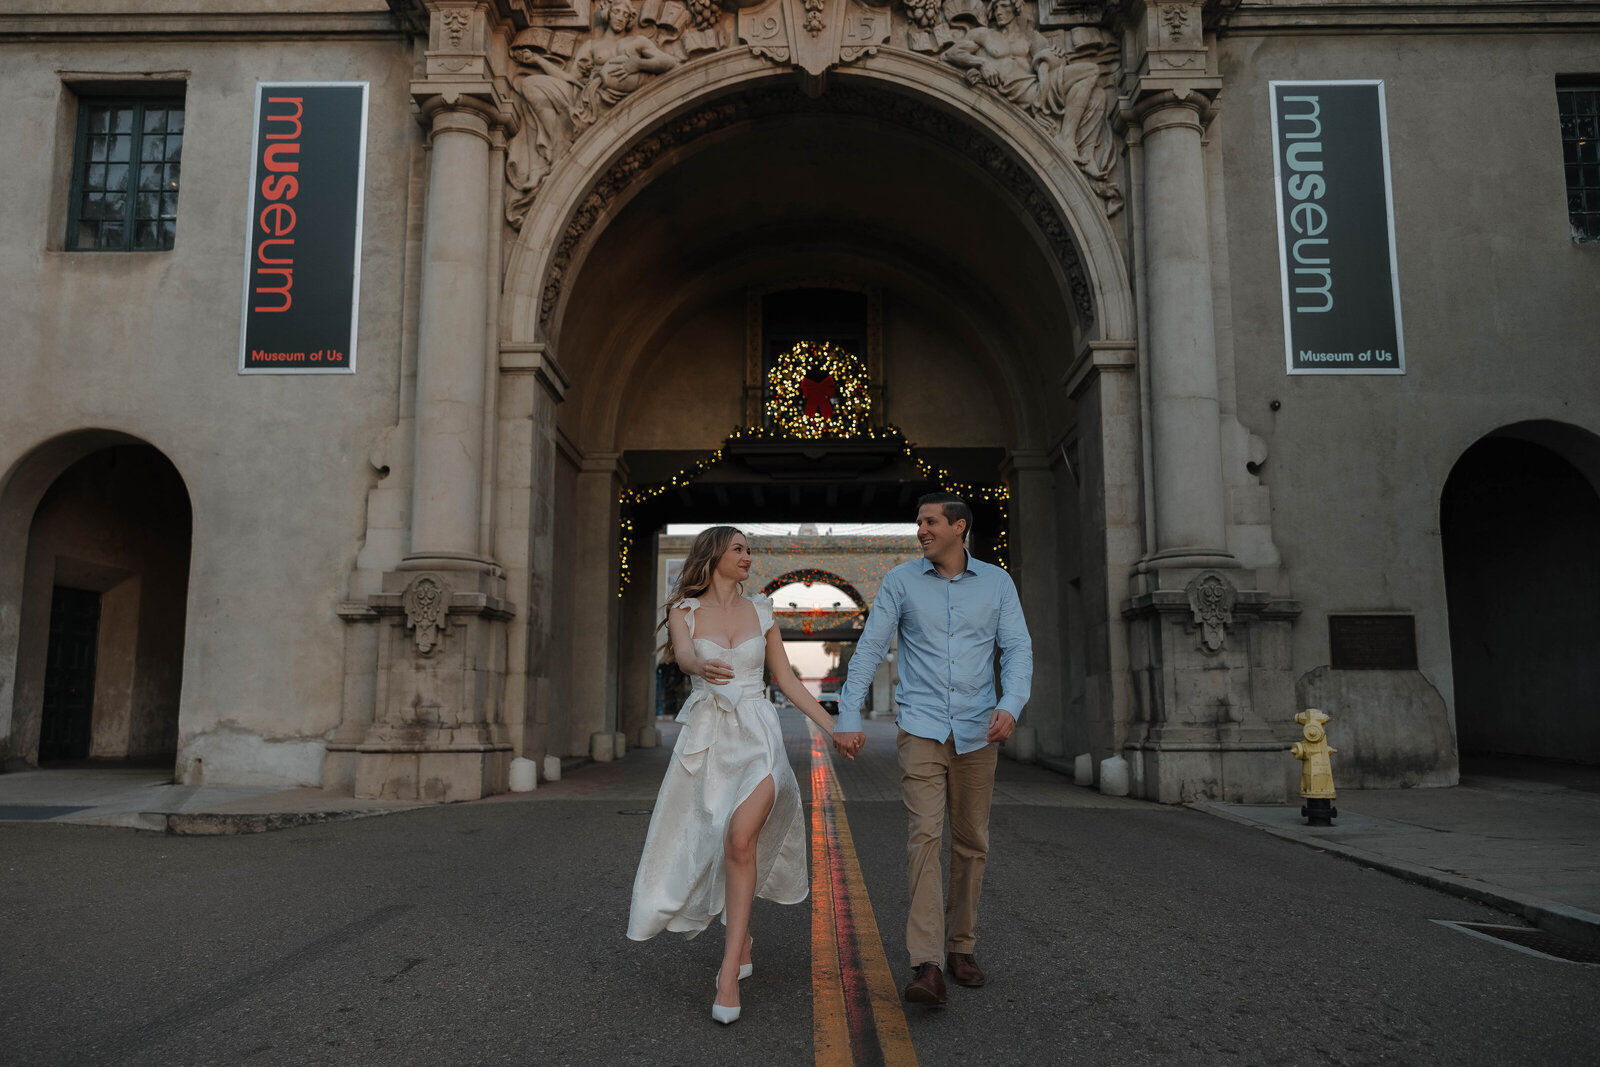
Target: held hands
(1001, 725)
(714, 671)
(848, 743)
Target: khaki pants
(934, 779)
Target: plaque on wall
(1372, 642)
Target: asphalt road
(493, 933)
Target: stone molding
(538, 360)
(1289, 17)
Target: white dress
(730, 741)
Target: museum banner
(302, 274)
(1341, 286)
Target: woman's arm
(799, 695)
(689, 661)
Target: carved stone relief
(1061, 82)
(426, 600)
(903, 111)
(1211, 609)
(564, 85)
(566, 80)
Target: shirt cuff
(1011, 707)
(849, 722)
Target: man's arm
(870, 650)
(1016, 653)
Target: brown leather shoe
(964, 969)
(927, 987)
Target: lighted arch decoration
(813, 576)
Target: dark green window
(125, 175)
(1580, 146)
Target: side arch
(135, 550)
(812, 576)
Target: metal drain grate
(1533, 941)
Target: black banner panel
(1341, 288)
(302, 276)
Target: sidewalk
(145, 798)
(1528, 847)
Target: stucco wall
(1498, 314)
(147, 343)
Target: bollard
(1024, 746)
(524, 775)
(1316, 769)
(619, 744)
(602, 747)
(552, 768)
(649, 737)
(1114, 776)
(1083, 769)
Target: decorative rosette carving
(426, 601)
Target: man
(950, 611)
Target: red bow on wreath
(819, 396)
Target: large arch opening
(1519, 519)
(645, 277)
(99, 527)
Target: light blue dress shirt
(949, 628)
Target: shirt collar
(970, 568)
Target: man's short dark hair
(953, 507)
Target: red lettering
(270, 158)
(261, 251)
(272, 220)
(299, 109)
(287, 274)
(282, 187)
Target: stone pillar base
(437, 732)
(440, 775)
(1212, 668)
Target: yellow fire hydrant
(1316, 768)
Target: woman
(728, 824)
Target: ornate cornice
(1253, 17)
(847, 99)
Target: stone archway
(1041, 291)
(1519, 518)
(96, 543)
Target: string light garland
(818, 390)
(998, 494)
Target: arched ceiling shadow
(770, 194)
(648, 133)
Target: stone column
(1186, 440)
(439, 729)
(445, 504)
(1034, 564)
(595, 604)
(1202, 636)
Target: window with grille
(1580, 146)
(125, 175)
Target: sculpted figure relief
(557, 102)
(1063, 95)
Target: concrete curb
(1563, 920)
(218, 824)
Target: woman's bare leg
(739, 878)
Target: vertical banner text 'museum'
(1341, 287)
(302, 277)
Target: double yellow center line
(857, 1018)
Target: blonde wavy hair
(695, 576)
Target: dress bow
(700, 715)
